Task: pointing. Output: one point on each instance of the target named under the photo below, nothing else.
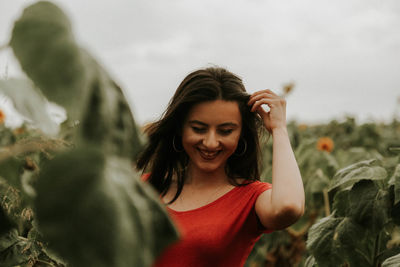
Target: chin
(209, 168)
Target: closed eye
(198, 129)
(225, 131)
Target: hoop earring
(244, 149)
(174, 146)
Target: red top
(221, 233)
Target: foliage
(72, 197)
(352, 198)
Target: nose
(211, 141)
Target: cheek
(189, 139)
(232, 143)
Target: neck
(195, 177)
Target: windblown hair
(164, 163)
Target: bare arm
(284, 203)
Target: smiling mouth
(208, 155)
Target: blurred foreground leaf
(91, 206)
(107, 216)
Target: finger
(268, 91)
(267, 101)
(263, 93)
(257, 97)
(259, 92)
(260, 102)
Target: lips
(208, 155)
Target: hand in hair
(276, 116)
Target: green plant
(85, 203)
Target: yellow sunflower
(325, 144)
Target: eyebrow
(232, 124)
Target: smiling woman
(203, 158)
(210, 134)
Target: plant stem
(326, 202)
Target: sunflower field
(70, 195)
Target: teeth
(209, 154)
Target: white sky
(343, 55)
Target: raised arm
(284, 203)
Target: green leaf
(333, 241)
(392, 261)
(68, 75)
(341, 203)
(364, 170)
(44, 45)
(107, 217)
(319, 242)
(348, 241)
(30, 103)
(369, 205)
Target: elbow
(288, 214)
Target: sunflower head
(325, 144)
(2, 116)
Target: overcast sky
(343, 55)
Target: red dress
(221, 233)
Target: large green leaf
(335, 240)
(349, 241)
(392, 261)
(341, 203)
(320, 244)
(90, 204)
(364, 170)
(107, 216)
(43, 42)
(369, 205)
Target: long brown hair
(163, 162)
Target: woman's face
(211, 133)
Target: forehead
(216, 112)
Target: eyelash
(226, 132)
(198, 130)
(203, 130)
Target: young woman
(203, 158)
